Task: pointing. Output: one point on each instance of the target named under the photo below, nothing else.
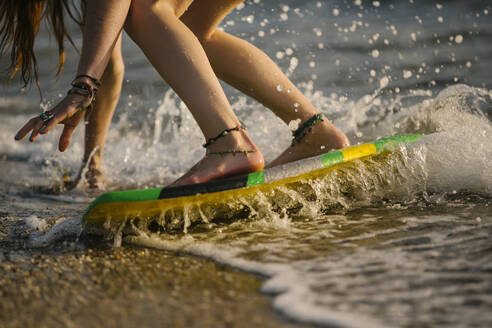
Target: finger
(25, 129)
(65, 137)
(51, 123)
(35, 130)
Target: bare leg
(251, 71)
(100, 119)
(178, 56)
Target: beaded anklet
(234, 152)
(222, 134)
(305, 128)
(231, 151)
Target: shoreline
(75, 283)
(126, 287)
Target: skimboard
(113, 209)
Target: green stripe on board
(390, 143)
(332, 158)
(255, 178)
(125, 196)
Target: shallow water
(400, 240)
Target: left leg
(251, 71)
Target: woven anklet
(304, 129)
(222, 134)
(234, 152)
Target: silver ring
(46, 116)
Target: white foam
(63, 228)
(293, 296)
(35, 223)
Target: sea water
(397, 241)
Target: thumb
(65, 137)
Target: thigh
(203, 16)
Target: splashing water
(401, 239)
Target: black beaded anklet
(222, 134)
(233, 152)
(304, 129)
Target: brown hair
(19, 25)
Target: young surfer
(182, 42)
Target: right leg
(179, 57)
(251, 71)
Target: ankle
(305, 129)
(94, 162)
(233, 140)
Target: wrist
(88, 79)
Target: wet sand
(88, 283)
(128, 287)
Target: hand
(67, 112)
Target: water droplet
(383, 83)
(294, 124)
(375, 53)
(280, 88)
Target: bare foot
(93, 176)
(215, 166)
(323, 137)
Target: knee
(116, 67)
(115, 70)
(203, 33)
